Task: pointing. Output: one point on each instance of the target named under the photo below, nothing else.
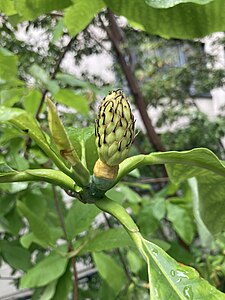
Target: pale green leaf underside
(200, 163)
(171, 3)
(172, 281)
(184, 20)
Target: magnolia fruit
(114, 128)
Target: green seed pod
(114, 128)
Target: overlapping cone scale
(115, 128)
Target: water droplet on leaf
(172, 273)
(155, 252)
(188, 293)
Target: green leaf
(173, 18)
(10, 96)
(27, 123)
(36, 202)
(130, 195)
(109, 239)
(171, 280)
(182, 222)
(38, 226)
(27, 239)
(79, 15)
(64, 285)
(83, 140)
(32, 100)
(49, 291)
(205, 236)
(171, 3)
(14, 221)
(8, 63)
(7, 7)
(195, 162)
(69, 79)
(200, 163)
(58, 31)
(41, 75)
(135, 261)
(22, 259)
(211, 191)
(45, 271)
(79, 218)
(30, 9)
(110, 271)
(70, 98)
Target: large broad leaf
(177, 19)
(45, 271)
(173, 281)
(110, 271)
(196, 162)
(30, 9)
(200, 163)
(79, 15)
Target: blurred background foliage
(172, 74)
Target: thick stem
(48, 175)
(123, 217)
(116, 38)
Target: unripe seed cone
(114, 128)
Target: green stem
(123, 217)
(52, 176)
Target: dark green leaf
(38, 226)
(79, 218)
(16, 256)
(110, 271)
(180, 20)
(182, 222)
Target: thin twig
(75, 276)
(70, 246)
(53, 75)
